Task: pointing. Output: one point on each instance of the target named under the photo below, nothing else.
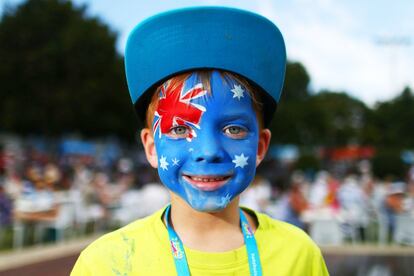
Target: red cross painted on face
(176, 109)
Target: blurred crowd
(361, 207)
(72, 186)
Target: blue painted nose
(207, 148)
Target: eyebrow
(239, 116)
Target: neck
(208, 231)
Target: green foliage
(287, 126)
(296, 83)
(341, 118)
(326, 118)
(333, 119)
(393, 121)
(60, 73)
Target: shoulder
(133, 230)
(287, 247)
(121, 243)
(284, 235)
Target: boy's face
(206, 144)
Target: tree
(326, 118)
(60, 72)
(286, 124)
(296, 83)
(335, 118)
(392, 122)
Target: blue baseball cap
(195, 38)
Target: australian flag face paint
(206, 142)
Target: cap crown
(205, 38)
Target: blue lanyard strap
(251, 246)
(180, 260)
(177, 248)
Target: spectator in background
(5, 203)
(393, 205)
(411, 174)
(2, 162)
(353, 201)
(38, 199)
(257, 195)
(125, 176)
(331, 199)
(372, 195)
(107, 194)
(154, 196)
(51, 176)
(14, 185)
(297, 202)
(43, 194)
(82, 179)
(409, 201)
(319, 190)
(101, 190)
(32, 177)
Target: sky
(363, 48)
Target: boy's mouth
(207, 182)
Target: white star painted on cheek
(175, 161)
(240, 160)
(237, 92)
(163, 163)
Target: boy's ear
(264, 141)
(147, 139)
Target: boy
(206, 81)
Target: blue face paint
(206, 142)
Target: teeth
(200, 179)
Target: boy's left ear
(264, 142)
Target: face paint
(206, 143)
(175, 109)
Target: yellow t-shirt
(142, 248)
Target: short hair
(205, 77)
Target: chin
(209, 203)
(206, 201)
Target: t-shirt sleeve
(80, 268)
(318, 264)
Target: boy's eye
(235, 132)
(179, 132)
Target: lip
(207, 182)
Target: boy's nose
(208, 150)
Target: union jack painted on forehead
(176, 109)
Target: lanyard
(180, 260)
